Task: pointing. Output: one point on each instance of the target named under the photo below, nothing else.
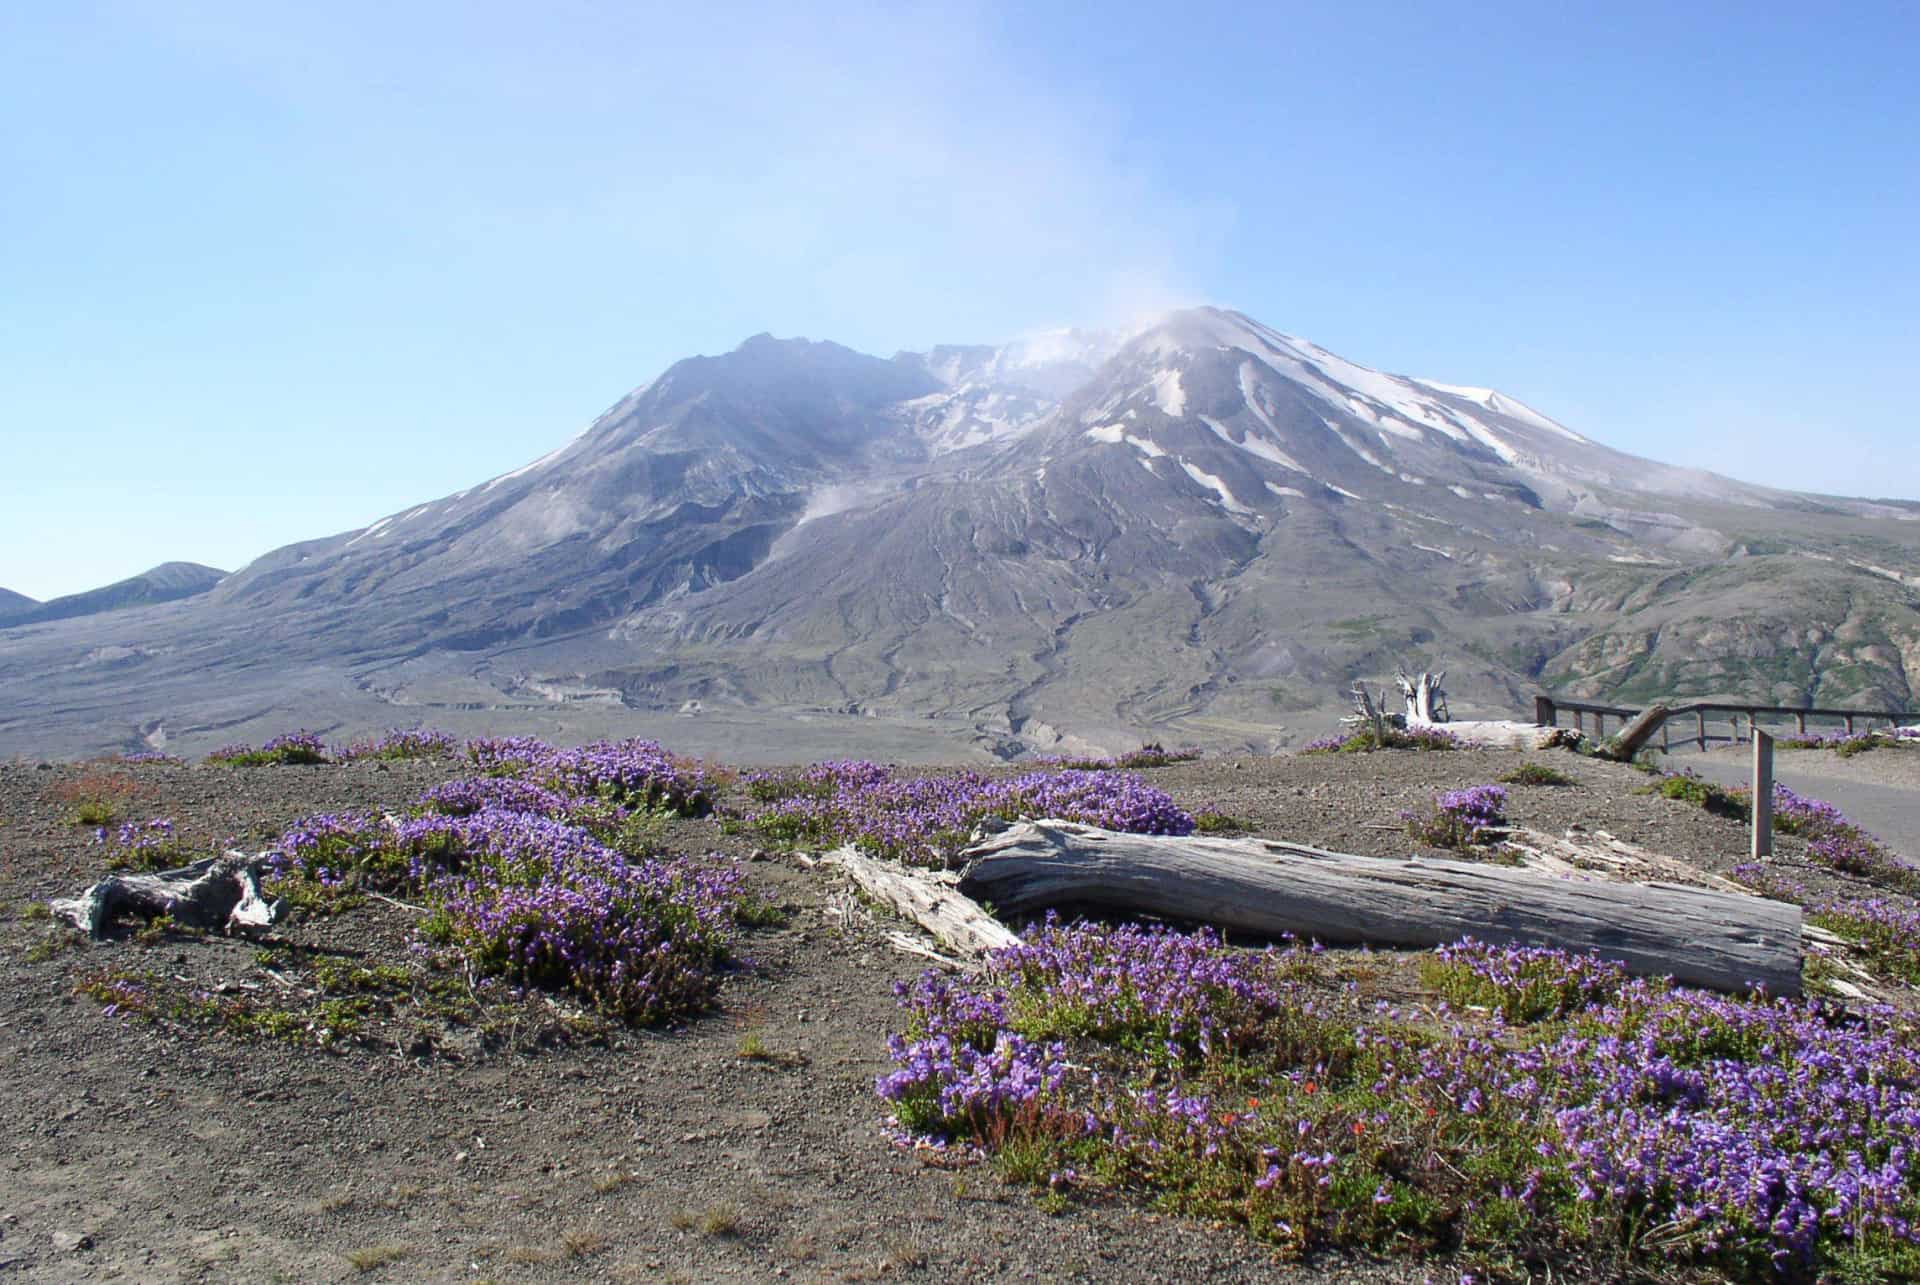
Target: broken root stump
(220, 893)
(1699, 937)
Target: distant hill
(168, 582)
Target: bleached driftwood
(1426, 702)
(1504, 734)
(1264, 887)
(1371, 715)
(1597, 854)
(928, 898)
(220, 893)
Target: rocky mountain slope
(14, 605)
(1200, 531)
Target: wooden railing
(1547, 711)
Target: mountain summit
(1202, 530)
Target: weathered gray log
(1632, 738)
(220, 893)
(928, 898)
(1268, 888)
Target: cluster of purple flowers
(302, 747)
(148, 757)
(1837, 842)
(400, 743)
(542, 903)
(338, 850)
(1847, 744)
(146, 845)
(1765, 1137)
(1397, 738)
(1523, 983)
(926, 820)
(506, 754)
(1152, 754)
(517, 882)
(1461, 818)
(1476, 807)
(632, 773)
(468, 795)
(1887, 931)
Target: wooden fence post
(1800, 723)
(1701, 715)
(1762, 795)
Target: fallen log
(220, 893)
(1500, 734)
(928, 899)
(1632, 738)
(1268, 888)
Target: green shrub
(1535, 774)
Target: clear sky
(269, 271)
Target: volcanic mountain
(1200, 531)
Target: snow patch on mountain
(1501, 404)
(1217, 486)
(1168, 395)
(1253, 445)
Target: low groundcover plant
(1581, 1113)
(1461, 819)
(926, 820)
(1365, 741)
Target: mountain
(167, 582)
(1202, 530)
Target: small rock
(72, 1242)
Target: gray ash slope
(1199, 532)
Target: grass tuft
(1535, 774)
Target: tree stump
(221, 893)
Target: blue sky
(271, 271)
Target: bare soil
(746, 1144)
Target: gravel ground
(167, 1152)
